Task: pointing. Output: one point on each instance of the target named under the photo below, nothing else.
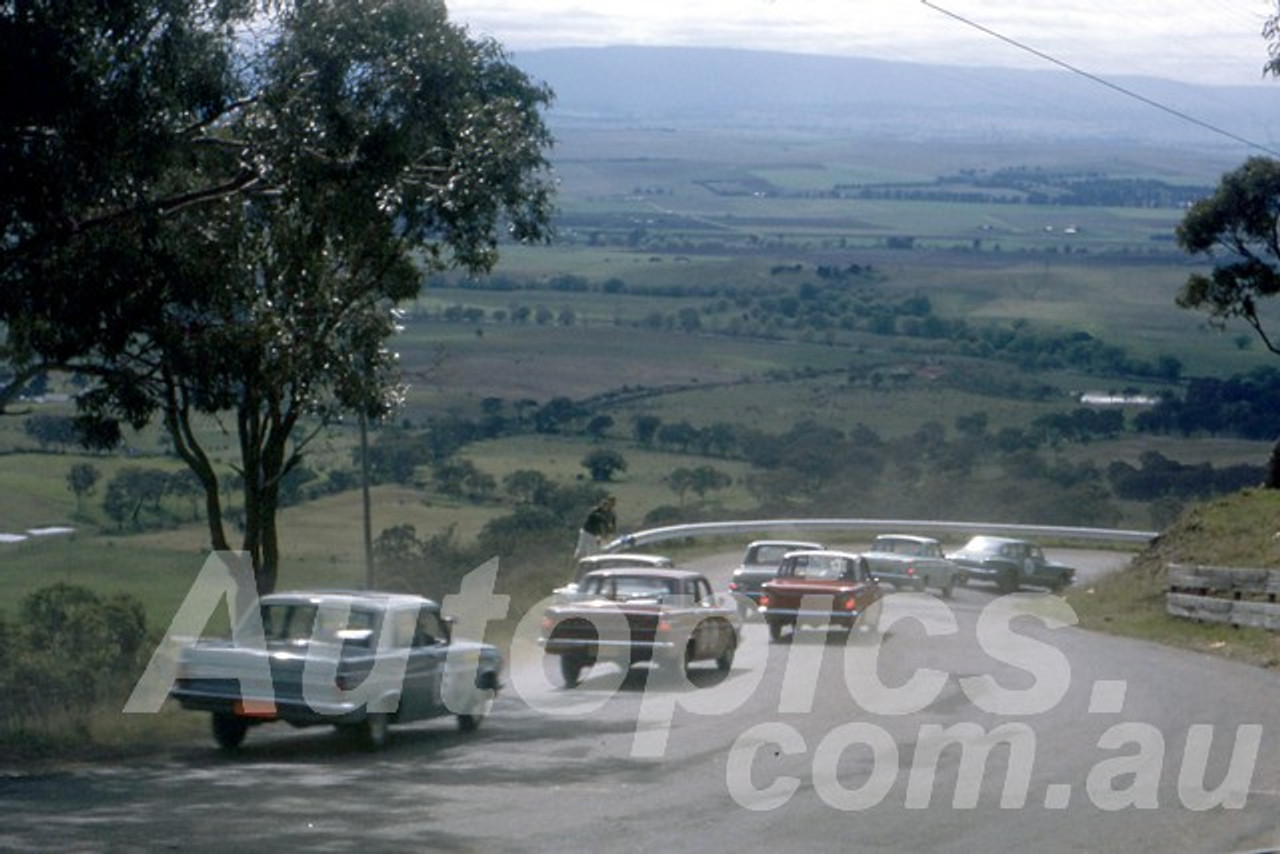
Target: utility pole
(367, 508)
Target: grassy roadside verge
(1239, 530)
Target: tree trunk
(250, 428)
(178, 423)
(269, 567)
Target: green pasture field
(328, 530)
(158, 577)
(34, 491)
(784, 174)
(833, 401)
(666, 156)
(539, 363)
(1124, 302)
(321, 544)
(514, 362)
(639, 489)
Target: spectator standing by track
(598, 528)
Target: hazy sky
(1205, 41)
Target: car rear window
(769, 554)
(299, 622)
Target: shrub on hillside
(68, 651)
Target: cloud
(1195, 40)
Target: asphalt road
(981, 724)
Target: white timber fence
(1219, 594)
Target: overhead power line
(1137, 96)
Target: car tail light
(547, 623)
(911, 570)
(664, 625)
(764, 600)
(264, 709)
(849, 603)
(733, 585)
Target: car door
(1030, 564)
(424, 670)
(708, 635)
(868, 588)
(1035, 562)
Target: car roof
(825, 553)
(915, 538)
(650, 572)
(368, 598)
(640, 559)
(805, 544)
(984, 538)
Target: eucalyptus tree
(107, 112)
(1238, 227)
(307, 165)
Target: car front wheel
(229, 730)
(374, 730)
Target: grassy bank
(1241, 530)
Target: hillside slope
(1239, 530)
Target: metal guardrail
(880, 526)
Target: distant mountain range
(687, 87)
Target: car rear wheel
(775, 630)
(470, 722)
(871, 618)
(724, 661)
(571, 667)
(1008, 581)
(229, 730)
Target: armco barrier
(917, 526)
